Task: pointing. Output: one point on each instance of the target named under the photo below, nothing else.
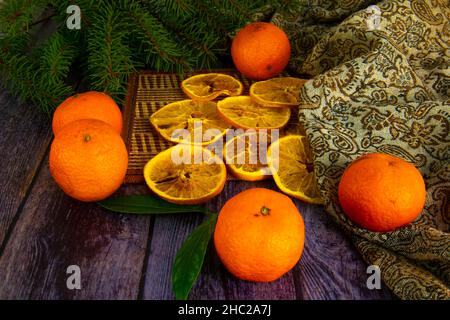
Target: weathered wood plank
(168, 234)
(55, 231)
(329, 269)
(24, 138)
(214, 282)
(283, 288)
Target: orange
(88, 105)
(208, 86)
(259, 235)
(291, 162)
(277, 92)
(189, 121)
(243, 112)
(88, 160)
(186, 174)
(381, 192)
(242, 156)
(260, 50)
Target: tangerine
(381, 192)
(88, 105)
(88, 160)
(259, 235)
(260, 50)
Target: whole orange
(259, 235)
(381, 192)
(88, 160)
(88, 105)
(260, 50)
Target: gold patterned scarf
(381, 83)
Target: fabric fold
(381, 83)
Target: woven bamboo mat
(147, 92)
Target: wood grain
(329, 269)
(129, 257)
(214, 282)
(55, 231)
(283, 288)
(168, 234)
(24, 138)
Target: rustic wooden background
(42, 232)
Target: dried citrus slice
(205, 87)
(191, 121)
(290, 161)
(242, 156)
(277, 92)
(186, 174)
(243, 112)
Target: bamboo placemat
(147, 92)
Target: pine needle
(116, 39)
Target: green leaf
(189, 259)
(146, 204)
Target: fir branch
(49, 95)
(116, 38)
(157, 44)
(175, 7)
(234, 14)
(205, 49)
(15, 44)
(56, 56)
(109, 61)
(16, 16)
(194, 33)
(22, 77)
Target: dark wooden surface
(42, 232)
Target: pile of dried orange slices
(189, 173)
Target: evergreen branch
(16, 16)
(15, 44)
(57, 55)
(205, 49)
(109, 61)
(173, 7)
(116, 37)
(196, 32)
(19, 75)
(227, 16)
(162, 52)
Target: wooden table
(43, 231)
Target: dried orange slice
(291, 163)
(191, 121)
(205, 87)
(242, 156)
(277, 92)
(243, 112)
(186, 174)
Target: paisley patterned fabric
(381, 83)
